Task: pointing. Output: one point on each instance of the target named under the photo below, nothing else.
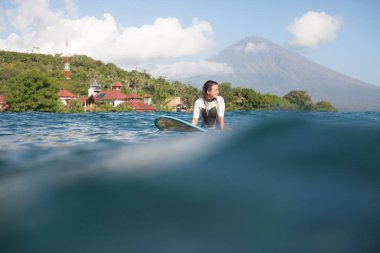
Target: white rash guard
(210, 116)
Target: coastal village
(114, 97)
(96, 96)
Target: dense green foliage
(325, 106)
(18, 71)
(247, 99)
(32, 91)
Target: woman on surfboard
(211, 107)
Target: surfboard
(168, 123)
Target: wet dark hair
(207, 86)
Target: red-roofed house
(116, 86)
(114, 97)
(134, 100)
(87, 102)
(140, 106)
(94, 88)
(66, 96)
(148, 99)
(133, 96)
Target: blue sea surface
(112, 182)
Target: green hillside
(84, 70)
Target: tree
(76, 106)
(32, 91)
(134, 80)
(226, 92)
(251, 99)
(159, 95)
(325, 106)
(190, 96)
(279, 103)
(177, 89)
(299, 98)
(7, 73)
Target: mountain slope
(269, 68)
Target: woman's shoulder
(220, 99)
(199, 101)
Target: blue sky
(130, 33)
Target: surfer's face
(213, 91)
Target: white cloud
(164, 39)
(313, 28)
(31, 15)
(103, 38)
(71, 8)
(189, 69)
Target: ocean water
(111, 182)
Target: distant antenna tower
(67, 63)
